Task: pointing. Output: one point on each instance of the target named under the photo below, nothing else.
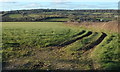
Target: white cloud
(59, 0)
(7, 0)
(32, 5)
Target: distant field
(15, 16)
(0, 14)
(39, 17)
(34, 15)
(55, 45)
(57, 19)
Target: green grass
(34, 35)
(80, 44)
(34, 15)
(31, 44)
(15, 16)
(39, 16)
(107, 54)
(0, 14)
(38, 34)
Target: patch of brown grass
(111, 26)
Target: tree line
(72, 15)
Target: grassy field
(54, 45)
(15, 16)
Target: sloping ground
(74, 53)
(95, 43)
(53, 57)
(65, 58)
(111, 26)
(84, 50)
(106, 55)
(74, 40)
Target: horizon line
(60, 9)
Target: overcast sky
(6, 5)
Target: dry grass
(111, 26)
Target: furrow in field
(79, 33)
(88, 49)
(95, 43)
(88, 40)
(74, 40)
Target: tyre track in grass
(73, 36)
(74, 40)
(79, 33)
(88, 49)
(95, 43)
